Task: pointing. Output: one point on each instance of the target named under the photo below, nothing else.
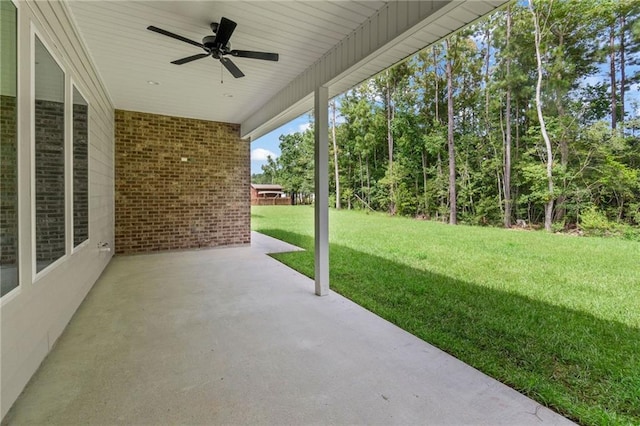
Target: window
(49, 158)
(8, 148)
(80, 169)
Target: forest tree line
(528, 116)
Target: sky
(269, 144)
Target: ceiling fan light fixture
(153, 83)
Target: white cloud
(300, 128)
(261, 154)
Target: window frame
(20, 186)
(75, 248)
(33, 34)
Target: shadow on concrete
(582, 366)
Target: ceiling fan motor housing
(210, 43)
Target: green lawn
(555, 317)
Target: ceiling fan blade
(255, 55)
(225, 29)
(190, 58)
(176, 36)
(231, 67)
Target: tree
(628, 13)
(295, 165)
(507, 138)
(527, 129)
(391, 84)
(332, 107)
(612, 75)
(453, 219)
(270, 170)
(548, 211)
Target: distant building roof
(266, 187)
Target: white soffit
(395, 32)
(333, 43)
(127, 55)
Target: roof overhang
(395, 32)
(332, 44)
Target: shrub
(594, 222)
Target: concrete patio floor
(231, 336)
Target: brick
(49, 175)
(163, 203)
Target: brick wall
(8, 181)
(49, 161)
(80, 174)
(163, 203)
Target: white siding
(34, 315)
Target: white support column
(321, 157)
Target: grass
(555, 317)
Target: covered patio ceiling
(335, 44)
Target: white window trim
(85, 243)
(35, 32)
(14, 292)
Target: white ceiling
(316, 40)
(127, 55)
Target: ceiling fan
(217, 46)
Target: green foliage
(487, 212)
(534, 175)
(347, 196)
(294, 168)
(595, 222)
(556, 317)
(399, 118)
(260, 178)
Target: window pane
(49, 158)
(80, 169)
(8, 149)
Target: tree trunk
(507, 145)
(368, 181)
(361, 175)
(392, 207)
(435, 73)
(440, 181)
(424, 182)
(564, 146)
(623, 76)
(612, 72)
(516, 154)
(453, 219)
(332, 104)
(548, 209)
